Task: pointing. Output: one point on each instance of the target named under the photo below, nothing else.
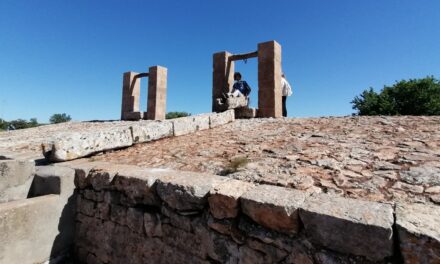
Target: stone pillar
(131, 90)
(222, 77)
(157, 93)
(269, 79)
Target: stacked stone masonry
(126, 213)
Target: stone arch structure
(157, 92)
(269, 77)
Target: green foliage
(18, 124)
(413, 97)
(59, 118)
(171, 115)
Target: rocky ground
(376, 158)
(384, 159)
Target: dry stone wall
(129, 214)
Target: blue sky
(69, 56)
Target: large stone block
(186, 191)
(190, 124)
(231, 103)
(29, 230)
(222, 79)
(220, 119)
(15, 179)
(69, 146)
(274, 207)
(418, 227)
(131, 89)
(224, 198)
(157, 93)
(145, 131)
(349, 226)
(269, 79)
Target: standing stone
(157, 93)
(223, 76)
(418, 226)
(131, 90)
(269, 79)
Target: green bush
(59, 118)
(412, 97)
(171, 115)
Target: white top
(286, 89)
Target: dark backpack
(246, 89)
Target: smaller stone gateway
(157, 93)
(269, 79)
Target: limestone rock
(186, 191)
(274, 207)
(421, 175)
(145, 131)
(15, 179)
(223, 118)
(190, 124)
(418, 226)
(69, 146)
(224, 198)
(364, 228)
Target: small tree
(413, 97)
(171, 115)
(3, 124)
(59, 118)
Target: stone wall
(126, 214)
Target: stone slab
(274, 207)
(145, 131)
(29, 229)
(418, 227)
(15, 179)
(185, 191)
(349, 226)
(190, 124)
(219, 119)
(69, 146)
(224, 198)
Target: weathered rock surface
(356, 157)
(419, 232)
(274, 207)
(363, 228)
(145, 131)
(15, 179)
(220, 119)
(187, 192)
(75, 145)
(224, 198)
(190, 124)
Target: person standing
(286, 91)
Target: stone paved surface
(374, 158)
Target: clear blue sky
(69, 56)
